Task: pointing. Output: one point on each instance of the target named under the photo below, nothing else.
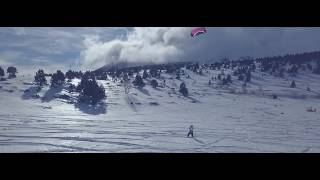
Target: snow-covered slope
(226, 118)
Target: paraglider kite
(195, 32)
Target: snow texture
(225, 118)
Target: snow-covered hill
(226, 118)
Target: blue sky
(31, 48)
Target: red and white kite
(198, 31)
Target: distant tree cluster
(304, 61)
(73, 74)
(102, 76)
(244, 73)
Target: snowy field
(226, 119)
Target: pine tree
(229, 79)
(274, 96)
(178, 75)
(224, 81)
(153, 72)
(92, 92)
(293, 84)
(316, 70)
(138, 81)
(183, 89)
(84, 80)
(219, 76)
(70, 75)
(154, 83)
(281, 74)
(241, 77)
(145, 74)
(40, 78)
(12, 71)
(1, 72)
(248, 76)
(308, 88)
(57, 78)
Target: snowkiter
(190, 131)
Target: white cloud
(142, 45)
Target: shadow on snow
(100, 108)
(50, 93)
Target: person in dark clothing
(190, 131)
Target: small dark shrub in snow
(274, 96)
(3, 79)
(178, 76)
(130, 73)
(248, 76)
(40, 78)
(138, 81)
(241, 77)
(183, 89)
(281, 74)
(228, 80)
(12, 71)
(1, 72)
(154, 83)
(308, 88)
(293, 84)
(10, 91)
(316, 70)
(219, 76)
(154, 72)
(145, 74)
(224, 81)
